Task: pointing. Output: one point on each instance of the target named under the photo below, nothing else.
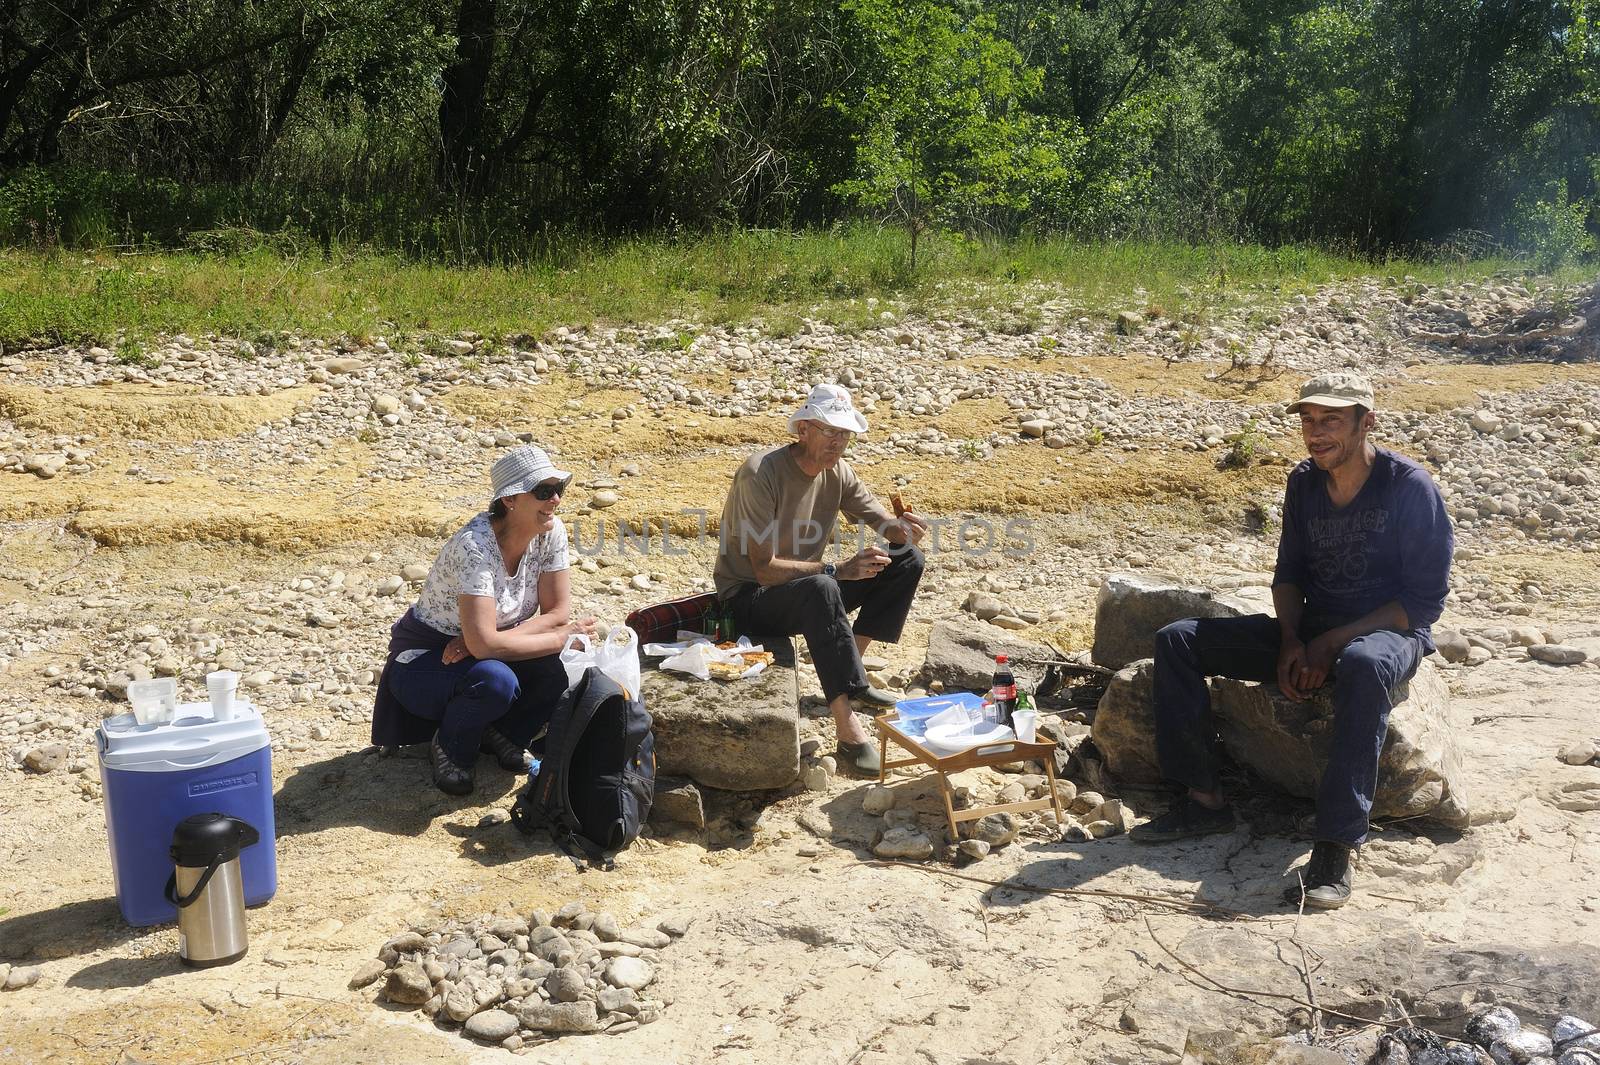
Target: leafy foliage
(500, 129)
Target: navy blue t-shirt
(1392, 541)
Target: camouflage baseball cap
(1341, 388)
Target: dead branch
(1248, 994)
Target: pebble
(649, 938)
(603, 499)
(904, 843)
(560, 1017)
(676, 927)
(390, 585)
(408, 985)
(974, 848)
(491, 1026)
(368, 973)
(21, 976)
(878, 800)
(633, 973)
(46, 759)
(1085, 801)
(566, 984)
(1557, 654)
(997, 830)
(1583, 752)
(414, 572)
(1526, 636)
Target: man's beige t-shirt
(773, 501)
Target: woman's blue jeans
(469, 696)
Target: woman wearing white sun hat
(474, 664)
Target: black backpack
(594, 788)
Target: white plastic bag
(617, 656)
(694, 660)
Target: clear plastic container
(913, 714)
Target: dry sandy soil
(802, 946)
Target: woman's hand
(454, 651)
(579, 626)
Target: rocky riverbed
(271, 508)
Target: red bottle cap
(1001, 659)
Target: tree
(943, 136)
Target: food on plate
(735, 670)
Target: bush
(1553, 229)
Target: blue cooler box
(156, 775)
(914, 713)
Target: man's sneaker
(1186, 819)
(1326, 878)
(447, 776)
(876, 698)
(512, 759)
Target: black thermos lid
(205, 838)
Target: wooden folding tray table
(991, 754)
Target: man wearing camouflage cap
(1363, 570)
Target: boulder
(1132, 607)
(741, 735)
(1124, 727)
(961, 657)
(1419, 771)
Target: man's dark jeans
(819, 608)
(1370, 666)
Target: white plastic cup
(149, 711)
(1026, 724)
(221, 686)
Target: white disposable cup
(221, 686)
(1026, 724)
(148, 711)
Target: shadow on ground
(95, 924)
(387, 793)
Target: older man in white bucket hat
(782, 510)
(1363, 570)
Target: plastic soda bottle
(1003, 691)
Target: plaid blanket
(660, 623)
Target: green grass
(846, 277)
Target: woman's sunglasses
(543, 492)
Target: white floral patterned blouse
(470, 564)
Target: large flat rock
(1419, 770)
(961, 656)
(741, 735)
(1132, 607)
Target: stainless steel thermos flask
(207, 889)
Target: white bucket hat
(519, 469)
(830, 405)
